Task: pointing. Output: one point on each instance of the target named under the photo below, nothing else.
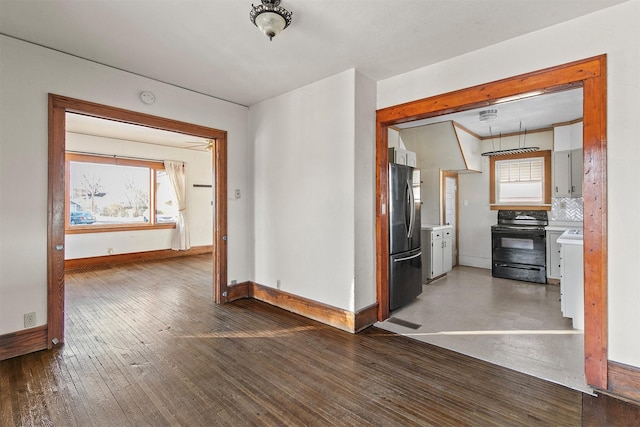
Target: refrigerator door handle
(408, 258)
(412, 209)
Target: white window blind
(520, 181)
(520, 170)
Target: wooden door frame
(591, 75)
(454, 175)
(58, 107)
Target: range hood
(444, 146)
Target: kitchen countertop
(563, 225)
(435, 227)
(571, 237)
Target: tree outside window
(108, 192)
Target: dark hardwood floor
(145, 345)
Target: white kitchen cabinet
(562, 173)
(567, 161)
(402, 157)
(411, 159)
(553, 254)
(437, 251)
(567, 173)
(572, 277)
(576, 172)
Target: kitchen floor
(513, 324)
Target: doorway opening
(590, 74)
(59, 106)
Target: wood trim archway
(58, 107)
(590, 74)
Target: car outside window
(112, 193)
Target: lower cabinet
(572, 284)
(553, 254)
(437, 251)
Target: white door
(451, 195)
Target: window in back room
(107, 192)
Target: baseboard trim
(103, 261)
(23, 342)
(329, 315)
(239, 291)
(366, 317)
(623, 381)
(326, 314)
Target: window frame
(546, 187)
(153, 167)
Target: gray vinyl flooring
(513, 324)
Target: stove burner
(523, 218)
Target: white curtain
(176, 171)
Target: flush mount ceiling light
(488, 115)
(270, 17)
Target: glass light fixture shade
(270, 17)
(270, 23)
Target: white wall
(614, 31)
(475, 216)
(305, 144)
(365, 191)
(198, 214)
(437, 149)
(27, 74)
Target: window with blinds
(520, 181)
(520, 170)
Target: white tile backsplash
(566, 209)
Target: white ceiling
(538, 112)
(87, 125)
(211, 47)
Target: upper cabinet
(402, 157)
(397, 152)
(567, 161)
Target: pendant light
(270, 17)
(521, 149)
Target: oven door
(519, 254)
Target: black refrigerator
(405, 261)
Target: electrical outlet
(234, 282)
(237, 193)
(30, 320)
(110, 251)
(278, 284)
